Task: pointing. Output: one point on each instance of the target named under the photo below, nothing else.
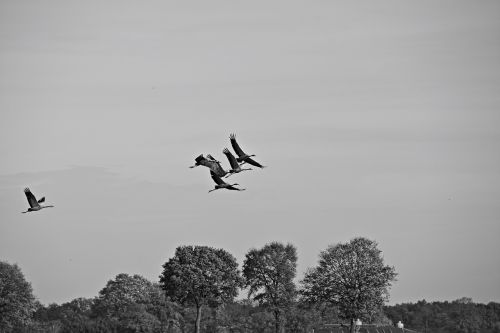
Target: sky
(374, 119)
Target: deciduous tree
(352, 276)
(200, 276)
(269, 274)
(133, 303)
(17, 302)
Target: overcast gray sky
(375, 119)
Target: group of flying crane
(216, 171)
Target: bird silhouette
(210, 163)
(219, 183)
(235, 167)
(34, 204)
(242, 156)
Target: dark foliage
(351, 276)
(17, 302)
(460, 316)
(134, 304)
(201, 276)
(248, 317)
(269, 274)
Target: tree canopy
(125, 291)
(199, 276)
(126, 304)
(352, 276)
(459, 316)
(269, 274)
(133, 304)
(17, 302)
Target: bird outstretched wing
(210, 163)
(232, 160)
(254, 163)
(216, 178)
(42, 199)
(218, 170)
(235, 145)
(215, 166)
(31, 198)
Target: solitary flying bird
(210, 163)
(242, 156)
(34, 204)
(235, 167)
(221, 184)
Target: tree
(269, 274)
(200, 276)
(352, 276)
(133, 304)
(69, 317)
(461, 315)
(123, 291)
(17, 302)
(466, 316)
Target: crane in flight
(219, 183)
(242, 156)
(210, 163)
(235, 166)
(34, 204)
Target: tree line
(198, 288)
(461, 315)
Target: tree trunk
(214, 327)
(198, 319)
(353, 327)
(277, 322)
